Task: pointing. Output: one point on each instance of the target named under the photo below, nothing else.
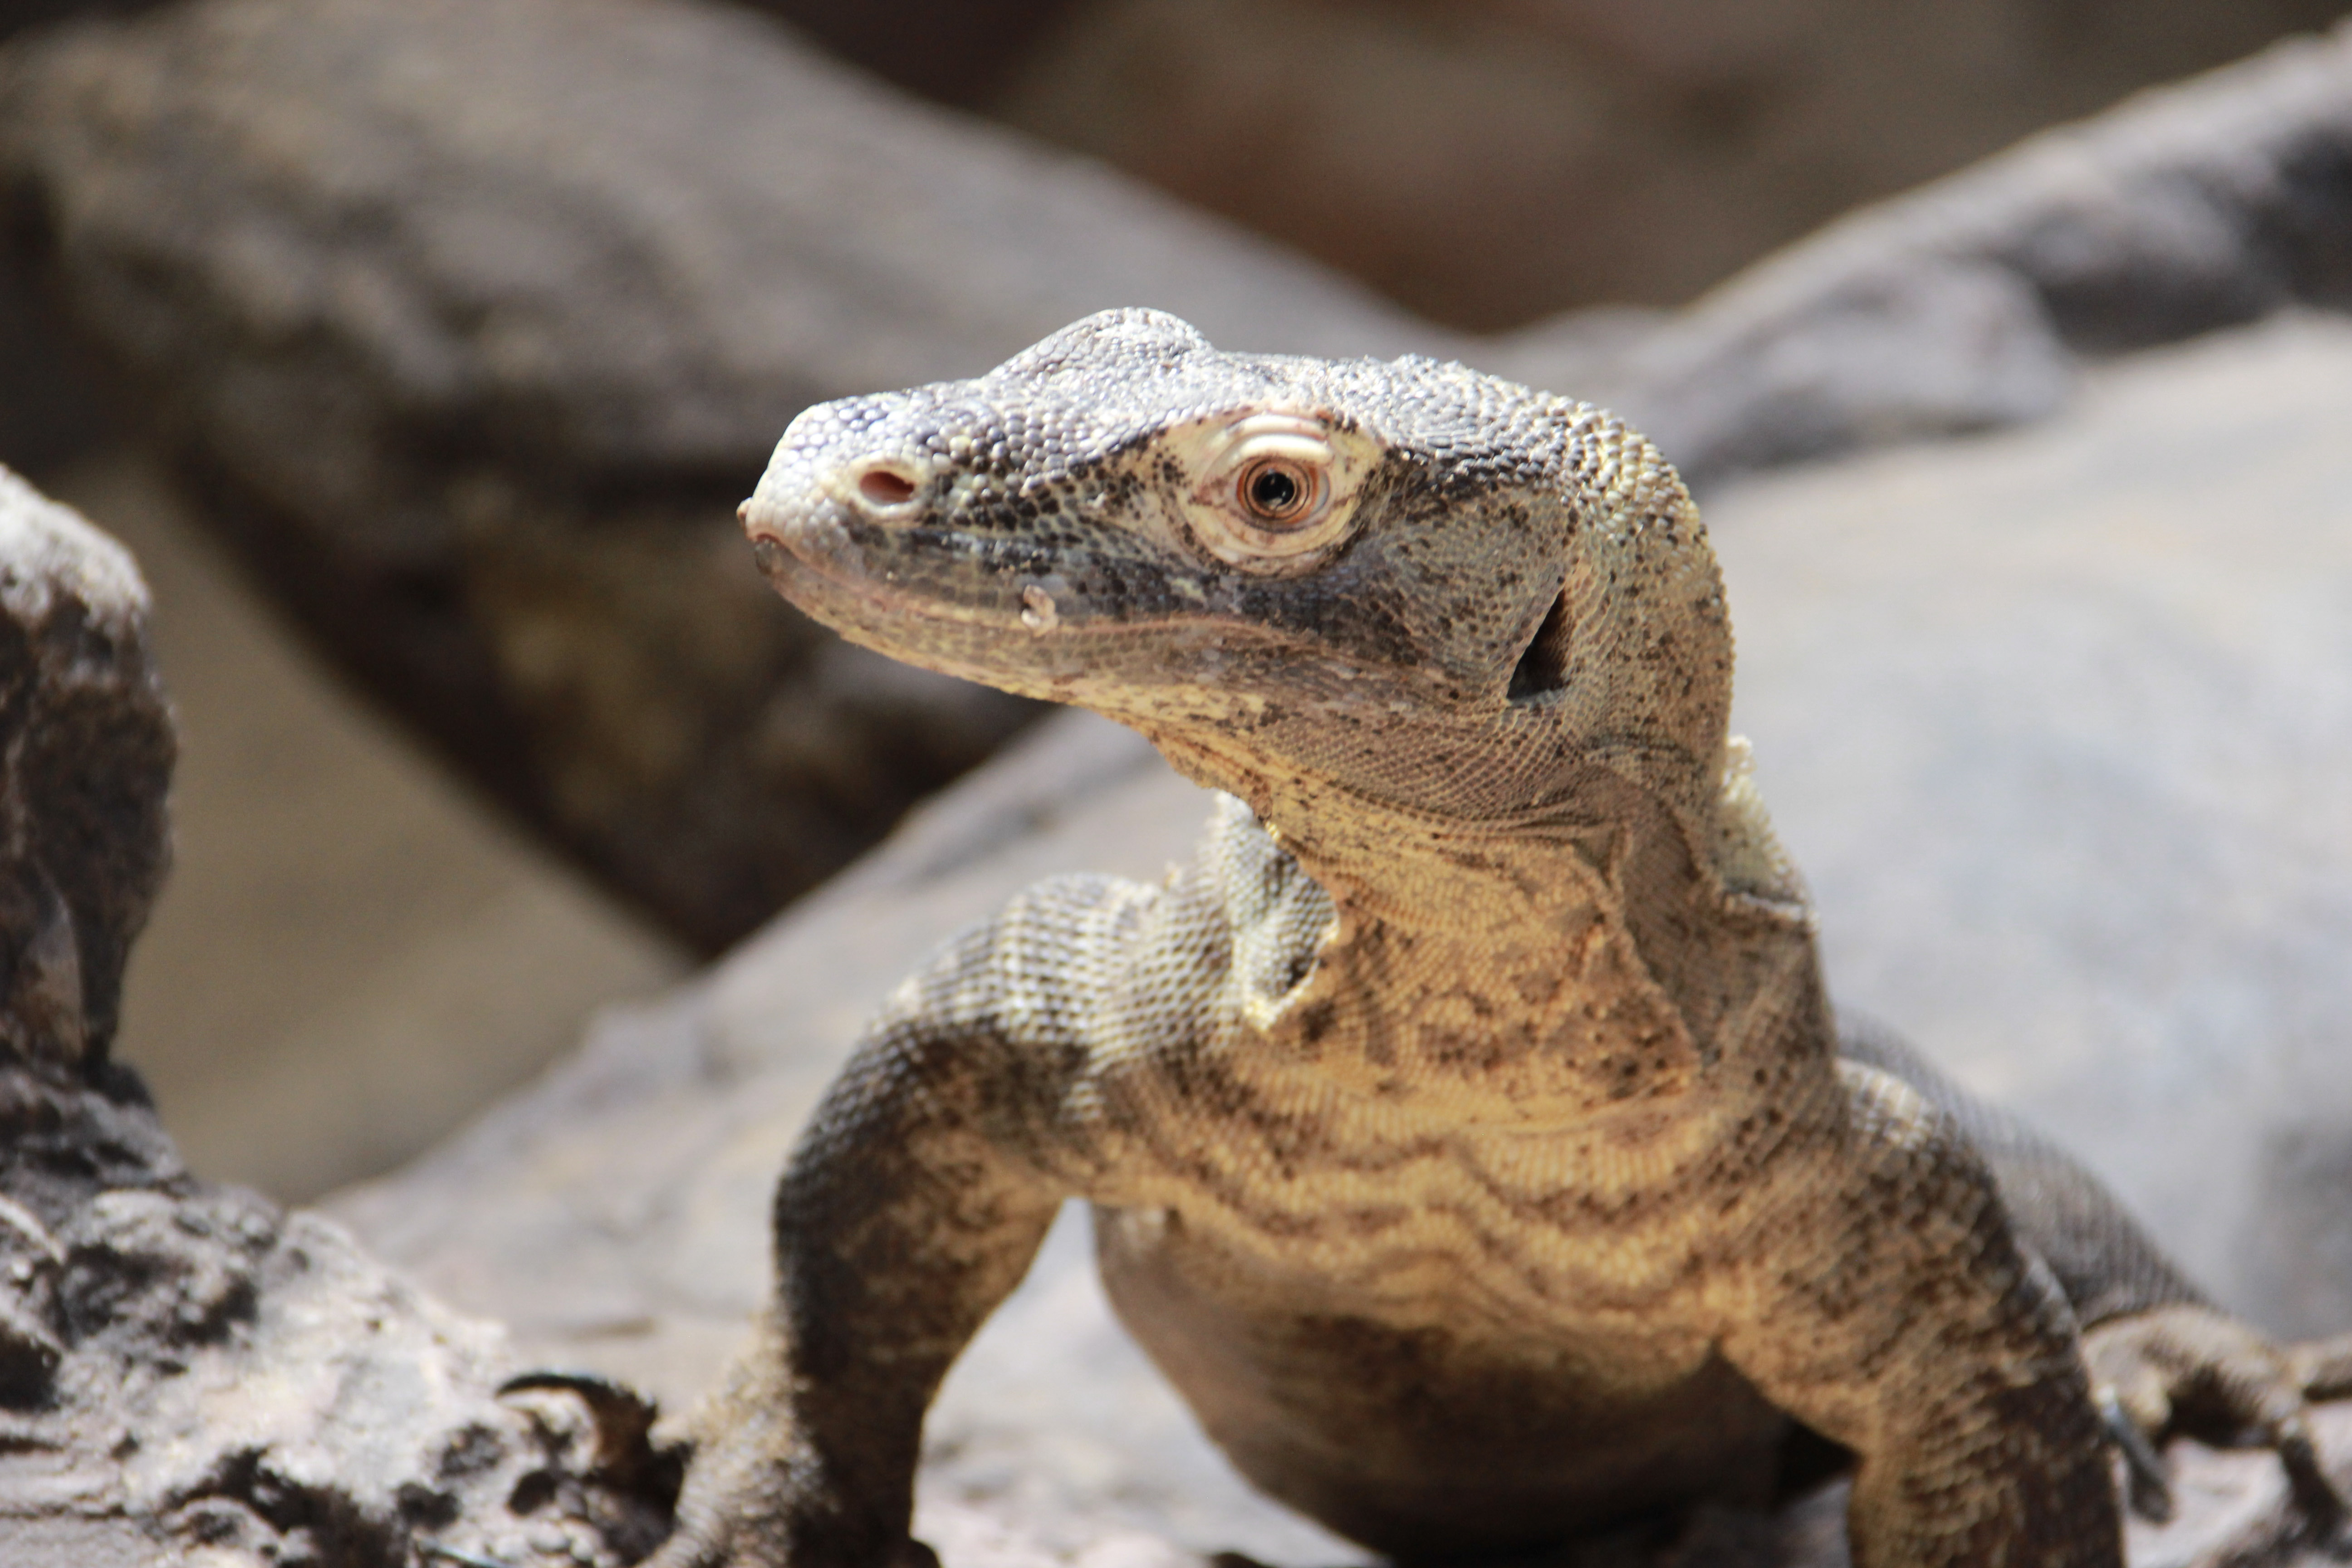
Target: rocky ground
(187, 1374)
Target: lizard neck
(1462, 891)
(1602, 851)
(1552, 964)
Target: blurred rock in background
(53, 407)
(351, 955)
(1491, 162)
(468, 322)
(959, 52)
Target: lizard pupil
(1275, 491)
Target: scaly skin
(1467, 1130)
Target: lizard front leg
(2162, 1357)
(912, 1205)
(1909, 1325)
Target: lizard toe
(2192, 1371)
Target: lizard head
(1428, 587)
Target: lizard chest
(1260, 1180)
(1386, 1295)
(1422, 1131)
(1396, 1357)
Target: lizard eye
(1276, 493)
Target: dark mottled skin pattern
(1468, 1129)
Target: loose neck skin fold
(1536, 957)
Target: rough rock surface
(473, 318)
(2055, 719)
(86, 749)
(187, 1374)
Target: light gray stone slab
(2059, 724)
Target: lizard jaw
(1016, 638)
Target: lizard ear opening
(1542, 668)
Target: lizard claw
(2150, 1486)
(2193, 1370)
(623, 1418)
(2324, 1367)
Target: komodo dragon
(1467, 1132)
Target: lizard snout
(883, 488)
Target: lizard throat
(1550, 967)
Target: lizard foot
(2194, 1371)
(755, 1496)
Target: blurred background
(421, 348)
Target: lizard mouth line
(808, 572)
(787, 562)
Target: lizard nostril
(885, 486)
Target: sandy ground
(352, 955)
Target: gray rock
(2056, 721)
(1491, 163)
(235, 1386)
(187, 1375)
(85, 751)
(1969, 304)
(2058, 725)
